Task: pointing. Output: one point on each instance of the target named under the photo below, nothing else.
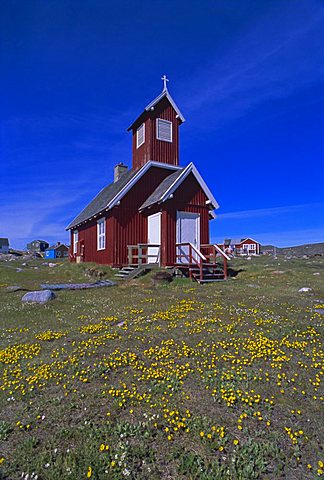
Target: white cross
(165, 80)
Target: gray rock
(39, 296)
(305, 289)
(51, 265)
(316, 273)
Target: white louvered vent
(140, 135)
(164, 130)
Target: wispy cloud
(270, 211)
(276, 225)
(284, 238)
(276, 56)
(43, 211)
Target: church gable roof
(110, 195)
(164, 94)
(102, 199)
(159, 192)
(171, 183)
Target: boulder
(161, 277)
(38, 296)
(305, 289)
(52, 265)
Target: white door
(188, 231)
(154, 237)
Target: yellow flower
(235, 442)
(320, 464)
(89, 472)
(113, 463)
(1, 460)
(221, 448)
(202, 434)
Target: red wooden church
(157, 212)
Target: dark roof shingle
(4, 242)
(158, 193)
(103, 198)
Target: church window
(75, 241)
(140, 135)
(164, 130)
(101, 234)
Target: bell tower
(155, 133)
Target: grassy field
(177, 381)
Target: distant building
(38, 245)
(4, 245)
(241, 246)
(57, 251)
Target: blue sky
(248, 77)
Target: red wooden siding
(188, 198)
(130, 225)
(152, 148)
(88, 237)
(125, 225)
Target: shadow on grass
(233, 273)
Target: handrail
(216, 247)
(193, 247)
(222, 253)
(192, 259)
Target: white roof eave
(191, 169)
(166, 94)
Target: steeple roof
(164, 94)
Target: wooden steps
(134, 271)
(210, 273)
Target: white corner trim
(191, 169)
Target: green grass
(218, 381)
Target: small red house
(241, 246)
(157, 212)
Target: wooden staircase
(201, 265)
(133, 271)
(210, 274)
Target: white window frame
(157, 130)
(101, 234)
(138, 143)
(75, 241)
